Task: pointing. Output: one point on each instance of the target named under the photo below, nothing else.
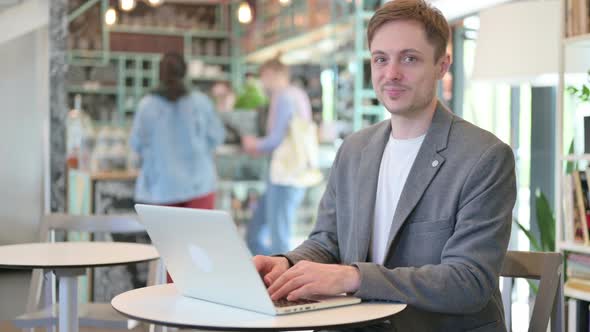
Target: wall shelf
(583, 157)
(578, 41)
(96, 90)
(214, 60)
(169, 31)
(576, 293)
(574, 247)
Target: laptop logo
(200, 258)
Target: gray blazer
(450, 230)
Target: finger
(302, 292)
(305, 291)
(288, 287)
(274, 274)
(263, 264)
(258, 263)
(283, 279)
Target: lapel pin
(435, 163)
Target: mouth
(394, 91)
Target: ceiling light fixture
(110, 16)
(244, 13)
(127, 5)
(155, 3)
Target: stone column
(58, 106)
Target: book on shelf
(579, 259)
(577, 270)
(577, 17)
(581, 207)
(578, 284)
(578, 267)
(584, 176)
(568, 210)
(584, 19)
(577, 274)
(578, 313)
(580, 203)
(569, 18)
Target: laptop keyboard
(286, 303)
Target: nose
(393, 72)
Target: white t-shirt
(397, 160)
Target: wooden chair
(547, 267)
(41, 305)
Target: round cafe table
(164, 305)
(68, 260)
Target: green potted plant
(251, 97)
(583, 92)
(545, 220)
(545, 217)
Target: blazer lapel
(366, 185)
(427, 163)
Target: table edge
(77, 266)
(232, 328)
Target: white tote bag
(295, 161)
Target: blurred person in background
(276, 209)
(223, 96)
(175, 133)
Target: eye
(379, 60)
(409, 59)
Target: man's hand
(249, 144)
(308, 278)
(270, 268)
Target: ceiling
(4, 4)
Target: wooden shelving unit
(569, 43)
(202, 32)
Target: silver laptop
(208, 260)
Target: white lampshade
(455, 9)
(519, 42)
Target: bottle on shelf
(79, 136)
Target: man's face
(267, 78)
(404, 72)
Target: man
(285, 189)
(417, 209)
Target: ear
(444, 65)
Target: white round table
(164, 305)
(68, 260)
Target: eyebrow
(411, 50)
(404, 51)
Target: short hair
(434, 23)
(173, 65)
(172, 72)
(275, 65)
